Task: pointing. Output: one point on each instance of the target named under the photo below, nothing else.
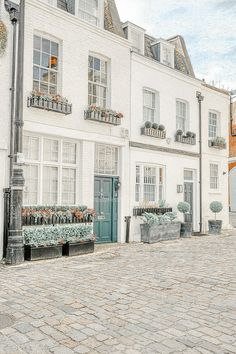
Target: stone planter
(155, 233)
(77, 248)
(186, 229)
(33, 253)
(215, 227)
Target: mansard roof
(114, 25)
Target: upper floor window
(67, 5)
(89, 11)
(45, 65)
(150, 103)
(181, 115)
(97, 81)
(213, 124)
(214, 176)
(135, 35)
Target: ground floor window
(149, 184)
(50, 171)
(106, 160)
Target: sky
(208, 27)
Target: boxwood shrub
(53, 235)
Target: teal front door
(105, 204)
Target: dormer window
(163, 51)
(135, 35)
(89, 11)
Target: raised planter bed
(33, 253)
(156, 233)
(77, 248)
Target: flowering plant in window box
(49, 102)
(218, 142)
(50, 215)
(188, 138)
(105, 115)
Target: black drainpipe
(200, 98)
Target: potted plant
(161, 127)
(78, 241)
(186, 227)
(154, 126)
(148, 124)
(215, 225)
(159, 227)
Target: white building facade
(76, 156)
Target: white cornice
(156, 65)
(54, 11)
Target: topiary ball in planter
(186, 227)
(215, 226)
(179, 132)
(148, 124)
(189, 134)
(161, 127)
(155, 126)
(184, 207)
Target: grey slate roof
(114, 25)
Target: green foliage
(53, 235)
(179, 132)
(162, 203)
(184, 207)
(148, 124)
(154, 219)
(161, 127)
(155, 126)
(216, 207)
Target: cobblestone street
(173, 297)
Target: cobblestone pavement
(173, 297)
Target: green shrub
(155, 126)
(161, 127)
(148, 124)
(154, 219)
(53, 235)
(184, 207)
(216, 207)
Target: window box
(33, 253)
(217, 143)
(49, 104)
(137, 211)
(189, 138)
(78, 248)
(107, 117)
(155, 133)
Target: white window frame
(60, 165)
(141, 200)
(100, 13)
(186, 125)
(97, 169)
(59, 59)
(108, 85)
(211, 111)
(155, 109)
(217, 184)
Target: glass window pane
(54, 49)
(50, 185)
(50, 151)
(36, 59)
(31, 185)
(36, 73)
(37, 42)
(69, 153)
(68, 186)
(45, 45)
(45, 60)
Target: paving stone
(134, 298)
